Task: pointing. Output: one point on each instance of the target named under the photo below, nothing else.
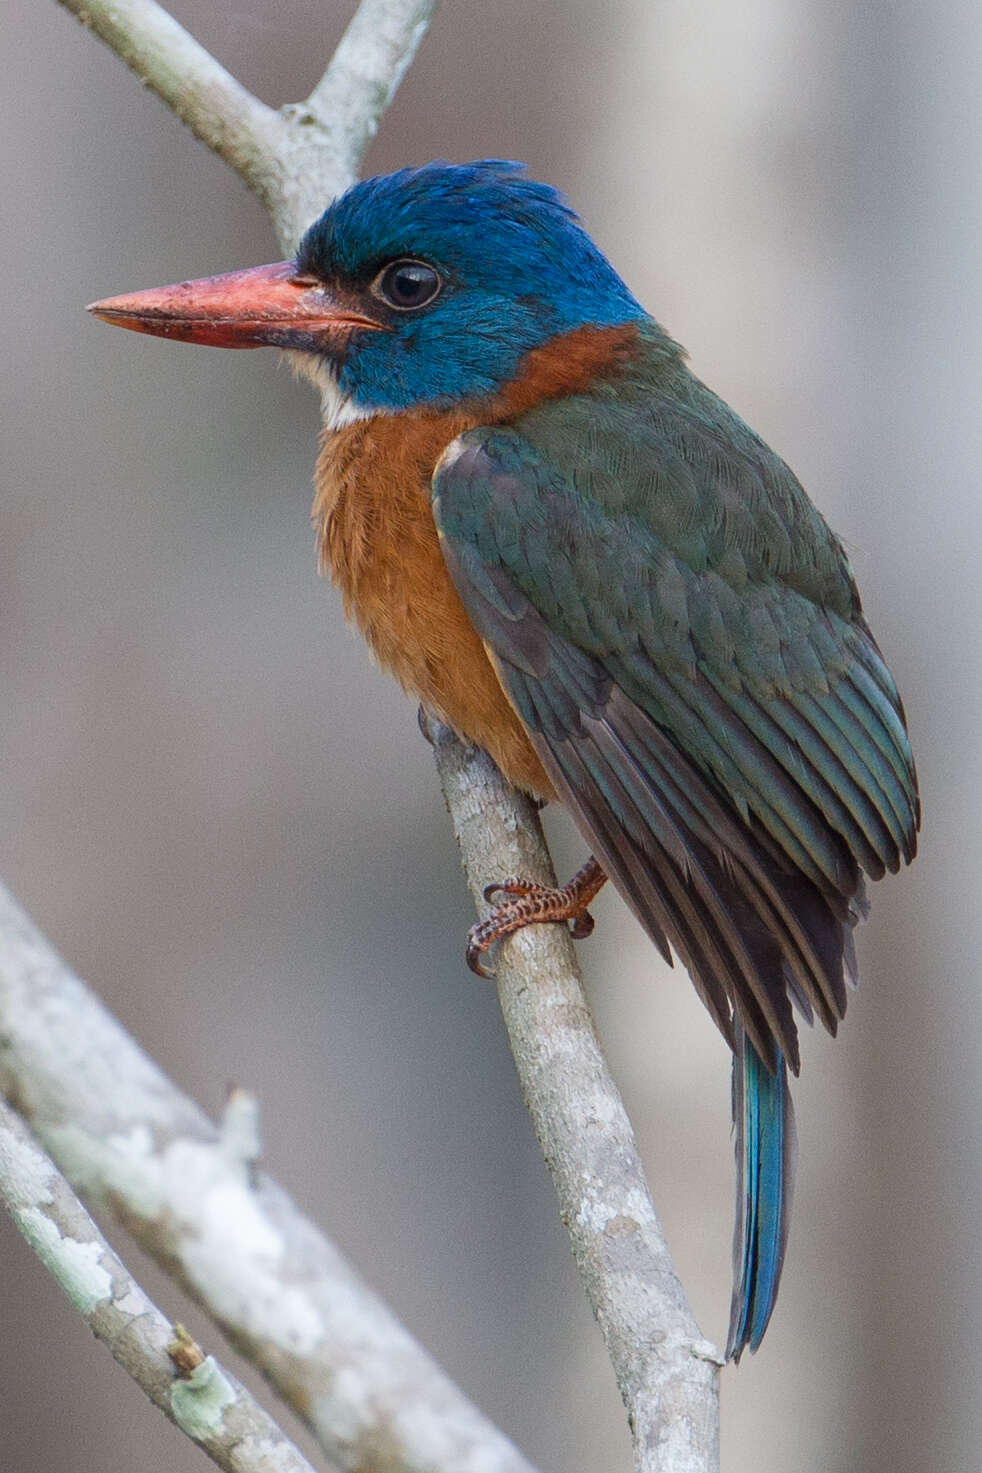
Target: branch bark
(243, 131)
(296, 160)
(666, 1371)
(189, 1387)
(131, 1143)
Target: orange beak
(263, 306)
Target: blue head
(420, 288)
(466, 267)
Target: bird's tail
(763, 1119)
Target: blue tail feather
(765, 1154)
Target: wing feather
(733, 751)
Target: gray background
(225, 818)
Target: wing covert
(734, 752)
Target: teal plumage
(765, 1156)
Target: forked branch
(189, 1387)
(192, 1196)
(296, 159)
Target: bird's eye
(407, 284)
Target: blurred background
(224, 816)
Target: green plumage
(647, 572)
(681, 634)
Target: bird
(577, 556)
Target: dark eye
(406, 284)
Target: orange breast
(379, 543)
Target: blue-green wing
(680, 635)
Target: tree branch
(364, 74)
(667, 1374)
(190, 1388)
(295, 159)
(128, 1140)
(243, 131)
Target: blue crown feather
(517, 269)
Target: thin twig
(295, 158)
(326, 136)
(365, 71)
(189, 1387)
(243, 131)
(667, 1373)
(129, 1141)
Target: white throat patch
(337, 409)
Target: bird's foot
(529, 904)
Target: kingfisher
(577, 556)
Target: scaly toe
(477, 948)
(581, 926)
(511, 886)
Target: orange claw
(533, 904)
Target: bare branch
(667, 1373)
(243, 131)
(128, 1140)
(189, 1387)
(327, 135)
(295, 159)
(365, 71)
